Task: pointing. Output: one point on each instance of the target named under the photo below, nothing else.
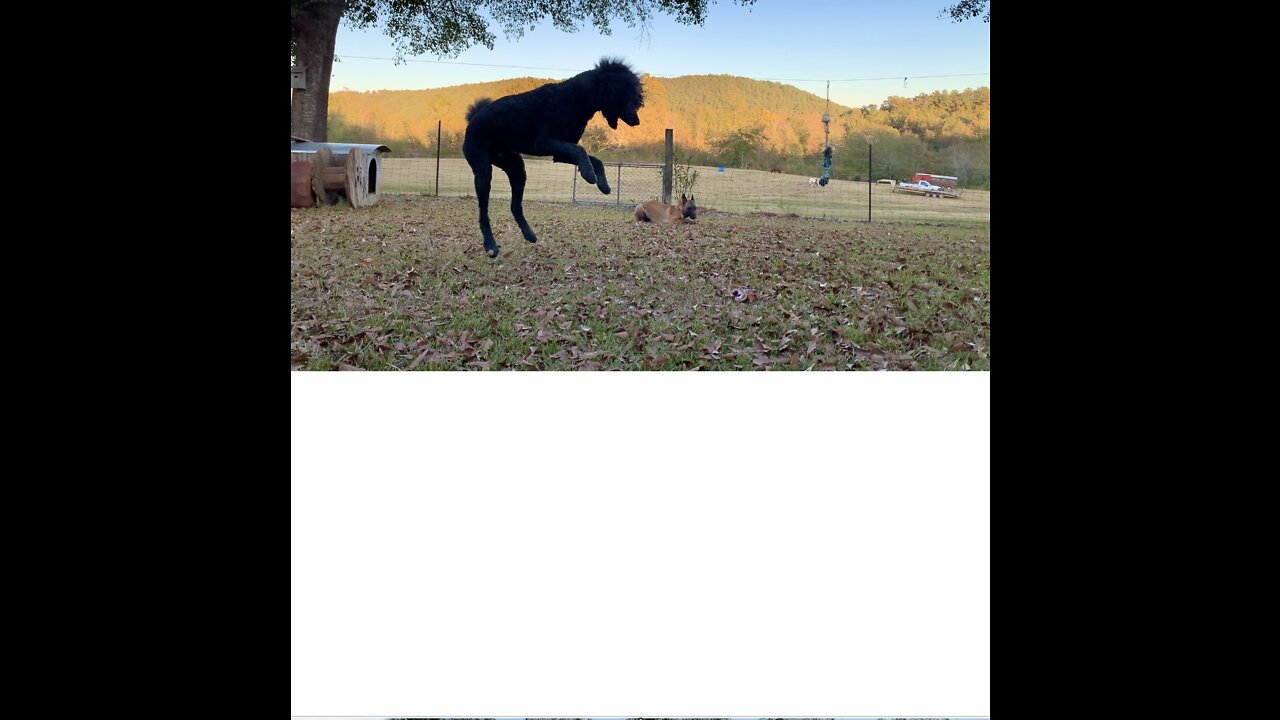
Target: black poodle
(546, 121)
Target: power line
(661, 75)
(896, 77)
(452, 62)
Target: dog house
(353, 170)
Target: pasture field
(736, 191)
(405, 285)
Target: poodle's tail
(477, 106)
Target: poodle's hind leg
(513, 165)
(478, 158)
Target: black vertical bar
(438, 158)
(574, 197)
(869, 182)
(619, 191)
(667, 164)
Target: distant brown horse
(656, 211)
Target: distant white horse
(813, 182)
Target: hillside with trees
(718, 120)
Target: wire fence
(630, 185)
(716, 188)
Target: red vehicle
(946, 181)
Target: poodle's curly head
(618, 90)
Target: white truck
(924, 185)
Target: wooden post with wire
(668, 163)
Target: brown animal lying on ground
(656, 211)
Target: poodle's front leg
(602, 181)
(588, 166)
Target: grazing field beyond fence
(737, 191)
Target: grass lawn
(405, 285)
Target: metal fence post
(619, 182)
(869, 185)
(438, 122)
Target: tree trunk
(315, 30)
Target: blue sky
(800, 42)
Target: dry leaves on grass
(823, 295)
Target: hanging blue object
(826, 167)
